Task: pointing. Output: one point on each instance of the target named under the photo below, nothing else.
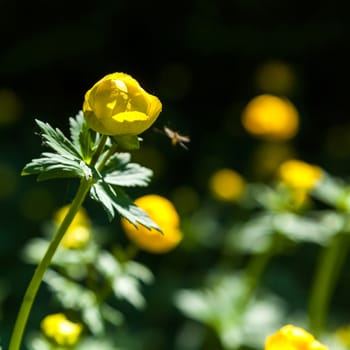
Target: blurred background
(205, 60)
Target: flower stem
(33, 287)
(34, 284)
(330, 263)
(99, 149)
(110, 152)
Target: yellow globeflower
(118, 105)
(271, 118)
(299, 175)
(343, 334)
(78, 234)
(163, 213)
(60, 330)
(226, 185)
(290, 337)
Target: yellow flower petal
(271, 118)
(299, 175)
(60, 330)
(163, 213)
(291, 337)
(118, 105)
(226, 185)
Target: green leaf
(83, 138)
(117, 200)
(99, 194)
(52, 165)
(55, 139)
(120, 172)
(75, 127)
(74, 296)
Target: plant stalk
(33, 287)
(328, 270)
(37, 278)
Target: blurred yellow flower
(118, 105)
(10, 106)
(299, 175)
(226, 185)
(78, 234)
(290, 337)
(60, 330)
(343, 334)
(271, 118)
(269, 156)
(163, 213)
(276, 77)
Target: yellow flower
(226, 185)
(276, 77)
(118, 105)
(163, 213)
(271, 118)
(299, 175)
(343, 334)
(60, 330)
(78, 234)
(269, 156)
(290, 337)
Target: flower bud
(118, 105)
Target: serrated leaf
(117, 161)
(55, 139)
(75, 127)
(98, 194)
(73, 295)
(130, 176)
(117, 200)
(52, 165)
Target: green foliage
(87, 282)
(108, 172)
(221, 306)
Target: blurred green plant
(305, 205)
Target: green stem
(110, 152)
(329, 266)
(34, 284)
(33, 287)
(99, 150)
(254, 271)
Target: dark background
(199, 57)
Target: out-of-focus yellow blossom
(8, 180)
(10, 106)
(78, 234)
(299, 175)
(271, 118)
(290, 337)
(60, 330)
(226, 185)
(269, 156)
(276, 77)
(164, 214)
(118, 105)
(343, 334)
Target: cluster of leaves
(83, 280)
(231, 300)
(87, 283)
(108, 171)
